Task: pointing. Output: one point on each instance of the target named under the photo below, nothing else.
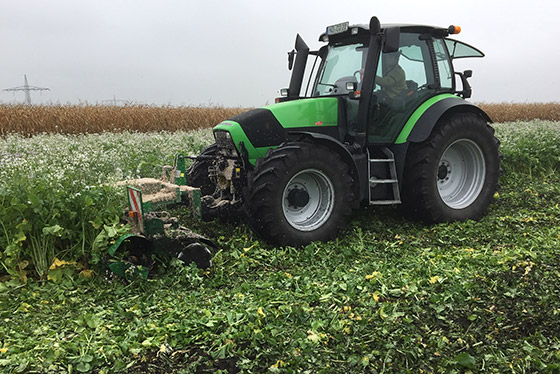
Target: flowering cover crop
(57, 191)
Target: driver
(393, 81)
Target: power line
(27, 89)
(114, 101)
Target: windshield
(342, 65)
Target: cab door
(420, 69)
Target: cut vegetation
(389, 295)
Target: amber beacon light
(454, 29)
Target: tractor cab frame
(354, 61)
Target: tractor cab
(381, 74)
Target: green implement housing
(155, 235)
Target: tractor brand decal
(321, 123)
(135, 201)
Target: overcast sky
(233, 53)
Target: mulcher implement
(155, 235)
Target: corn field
(511, 112)
(88, 119)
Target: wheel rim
(460, 175)
(308, 200)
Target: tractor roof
(344, 30)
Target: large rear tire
(453, 175)
(197, 173)
(299, 193)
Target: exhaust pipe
(299, 68)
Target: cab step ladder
(394, 196)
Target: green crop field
(390, 295)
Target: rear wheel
(197, 174)
(461, 172)
(453, 175)
(299, 193)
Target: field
(390, 295)
(88, 119)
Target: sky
(234, 53)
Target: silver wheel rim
(460, 175)
(315, 187)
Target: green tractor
(381, 122)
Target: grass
(390, 295)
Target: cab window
(342, 64)
(396, 103)
(459, 49)
(444, 64)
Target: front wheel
(299, 193)
(453, 175)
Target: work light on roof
(454, 29)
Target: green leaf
(33, 199)
(88, 201)
(466, 360)
(96, 225)
(313, 336)
(55, 230)
(111, 231)
(56, 274)
(83, 367)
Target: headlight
(224, 140)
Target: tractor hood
(262, 128)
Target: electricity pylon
(114, 101)
(27, 89)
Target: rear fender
(423, 120)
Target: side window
(394, 104)
(444, 65)
(411, 60)
(413, 64)
(459, 49)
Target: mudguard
(356, 161)
(421, 123)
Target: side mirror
(392, 39)
(467, 90)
